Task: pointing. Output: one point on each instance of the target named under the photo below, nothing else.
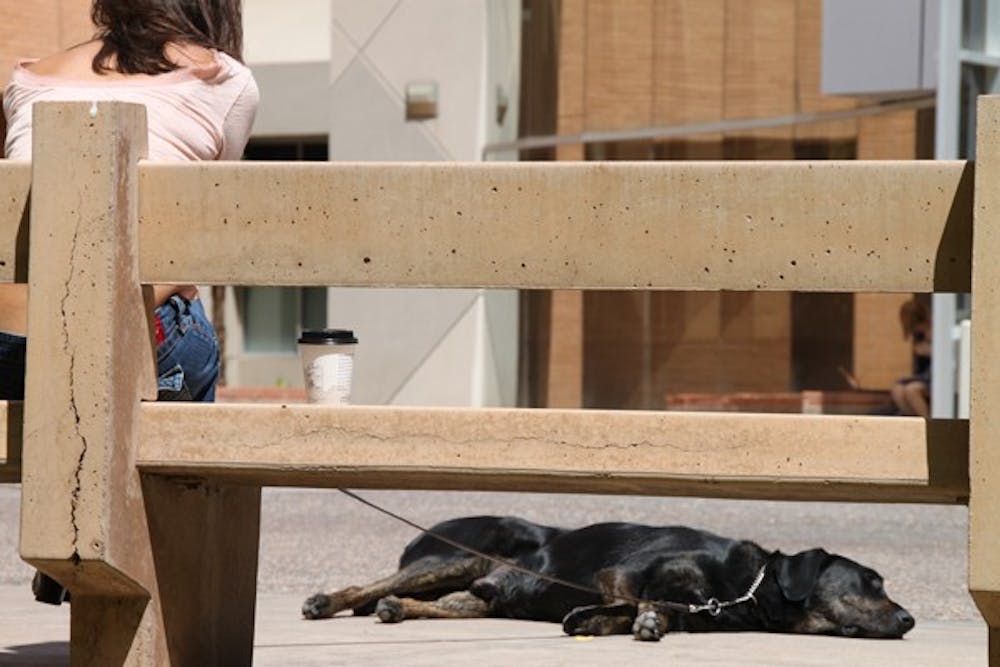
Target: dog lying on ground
(621, 578)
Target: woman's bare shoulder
(76, 63)
(73, 63)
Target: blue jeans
(187, 352)
(187, 355)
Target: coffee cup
(328, 364)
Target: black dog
(616, 578)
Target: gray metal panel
(872, 48)
(932, 39)
(294, 99)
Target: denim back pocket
(170, 385)
(187, 357)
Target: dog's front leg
(416, 577)
(650, 623)
(600, 620)
(461, 604)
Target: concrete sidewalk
(36, 634)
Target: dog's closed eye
(871, 581)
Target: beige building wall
(468, 49)
(275, 34)
(456, 347)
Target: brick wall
(881, 355)
(36, 29)
(661, 62)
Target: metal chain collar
(714, 607)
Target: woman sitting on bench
(182, 60)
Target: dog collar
(714, 607)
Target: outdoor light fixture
(421, 100)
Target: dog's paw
(646, 627)
(324, 605)
(390, 609)
(577, 622)
(484, 589)
(317, 606)
(599, 620)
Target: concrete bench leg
(90, 363)
(205, 540)
(160, 572)
(103, 629)
(984, 424)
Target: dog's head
(838, 597)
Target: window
(272, 317)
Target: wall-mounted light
(421, 100)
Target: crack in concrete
(343, 432)
(78, 472)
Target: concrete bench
(149, 512)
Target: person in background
(182, 60)
(911, 394)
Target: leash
(713, 606)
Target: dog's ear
(797, 574)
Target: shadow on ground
(46, 654)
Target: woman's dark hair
(135, 33)
(912, 314)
